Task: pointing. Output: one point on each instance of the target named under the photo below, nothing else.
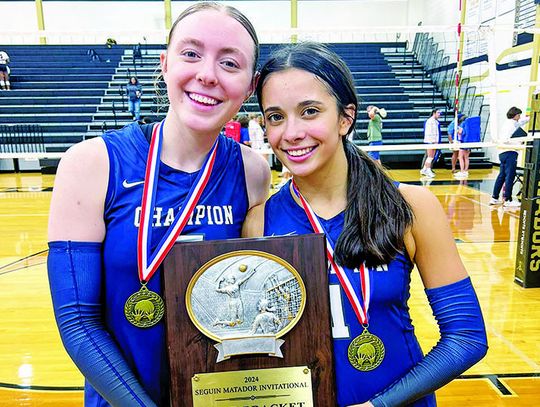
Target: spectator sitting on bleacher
(134, 93)
(4, 71)
(110, 42)
(93, 55)
(137, 54)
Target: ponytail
(376, 217)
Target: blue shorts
(375, 154)
(463, 141)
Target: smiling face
(303, 124)
(208, 70)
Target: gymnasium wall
(271, 17)
(495, 13)
(148, 15)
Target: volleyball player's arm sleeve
(463, 342)
(75, 279)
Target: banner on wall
(488, 10)
(483, 11)
(504, 6)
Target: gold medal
(144, 308)
(366, 351)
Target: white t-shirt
(431, 131)
(256, 135)
(4, 58)
(505, 134)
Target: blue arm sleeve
(75, 279)
(463, 343)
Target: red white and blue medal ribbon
(145, 308)
(366, 351)
(148, 265)
(345, 275)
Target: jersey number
(339, 329)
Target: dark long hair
(377, 216)
(513, 111)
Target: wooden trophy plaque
(244, 296)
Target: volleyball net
(477, 70)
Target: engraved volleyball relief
(144, 309)
(246, 295)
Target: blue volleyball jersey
(389, 317)
(219, 214)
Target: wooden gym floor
(35, 370)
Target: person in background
(111, 42)
(454, 138)
(146, 120)
(374, 131)
(134, 94)
(232, 129)
(470, 133)
(508, 158)
(256, 132)
(285, 176)
(377, 231)
(464, 153)
(256, 136)
(432, 135)
(244, 130)
(137, 54)
(5, 84)
(106, 284)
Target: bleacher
(58, 87)
(73, 95)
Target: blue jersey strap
(463, 343)
(75, 279)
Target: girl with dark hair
(377, 231)
(120, 201)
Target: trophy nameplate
(285, 386)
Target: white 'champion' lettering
(201, 215)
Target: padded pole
(40, 20)
(534, 62)
(168, 15)
(294, 19)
